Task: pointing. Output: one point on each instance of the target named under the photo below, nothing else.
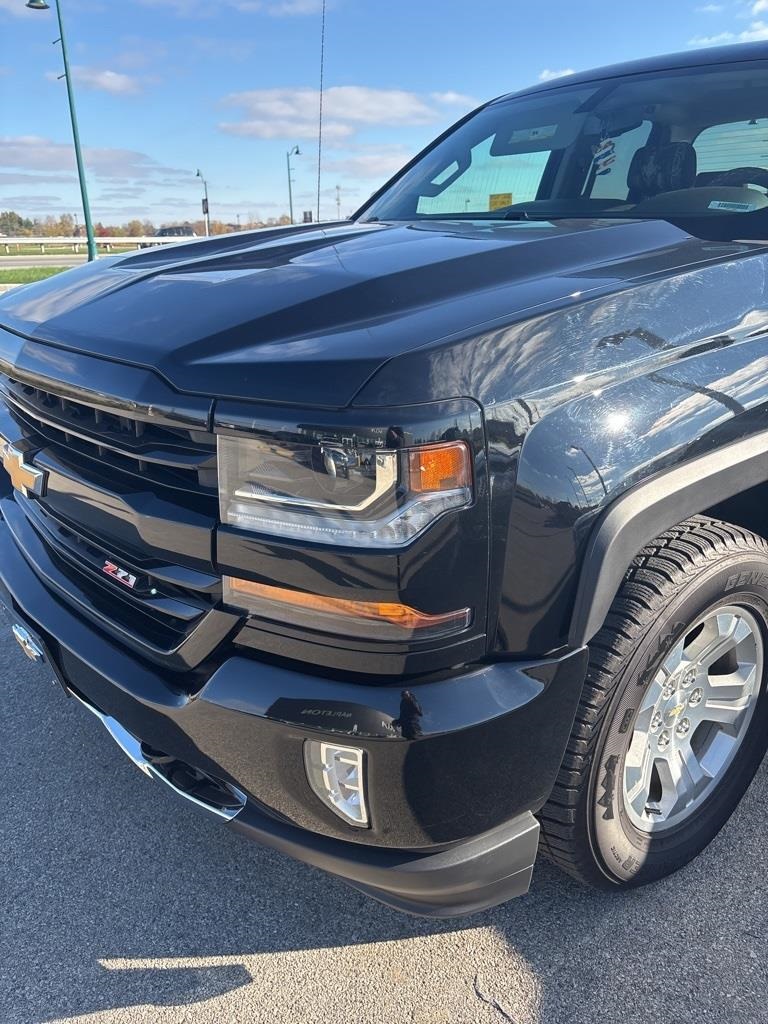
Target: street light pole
(42, 5)
(206, 214)
(291, 152)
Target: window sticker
(533, 134)
(719, 204)
(498, 200)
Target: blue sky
(166, 86)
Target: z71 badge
(121, 575)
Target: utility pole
(43, 5)
(320, 115)
(206, 214)
(338, 202)
(291, 152)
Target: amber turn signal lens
(385, 619)
(440, 467)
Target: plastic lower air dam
(463, 879)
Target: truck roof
(706, 57)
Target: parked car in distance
(172, 231)
(176, 231)
(412, 544)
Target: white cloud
(291, 7)
(117, 194)
(183, 8)
(31, 153)
(719, 40)
(12, 7)
(758, 30)
(293, 113)
(760, 7)
(22, 178)
(455, 99)
(206, 9)
(138, 52)
(277, 129)
(220, 48)
(103, 79)
(547, 75)
(368, 166)
(35, 203)
(118, 177)
(356, 103)
(710, 8)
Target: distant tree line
(12, 224)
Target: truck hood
(307, 315)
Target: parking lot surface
(119, 904)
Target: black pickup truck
(410, 543)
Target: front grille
(163, 614)
(172, 614)
(178, 458)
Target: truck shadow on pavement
(115, 896)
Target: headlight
(340, 492)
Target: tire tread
(658, 570)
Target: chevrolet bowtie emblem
(24, 477)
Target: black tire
(679, 577)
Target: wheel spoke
(723, 712)
(718, 751)
(716, 639)
(651, 695)
(727, 698)
(682, 778)
(737, 685)
(643, 721)
(637, 779)
(674, 659)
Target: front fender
(650, 508)
(600, 476)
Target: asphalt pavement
(120, 904)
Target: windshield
(689, 143)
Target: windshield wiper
(596, 215)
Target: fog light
(337, 776)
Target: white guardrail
(80, 244)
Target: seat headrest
(656, 169)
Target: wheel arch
(647, 510)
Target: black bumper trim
(464, 879)
(420, 859)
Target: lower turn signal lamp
(337, 776)
(382, 620)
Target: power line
(320, 122)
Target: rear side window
(727, 146)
